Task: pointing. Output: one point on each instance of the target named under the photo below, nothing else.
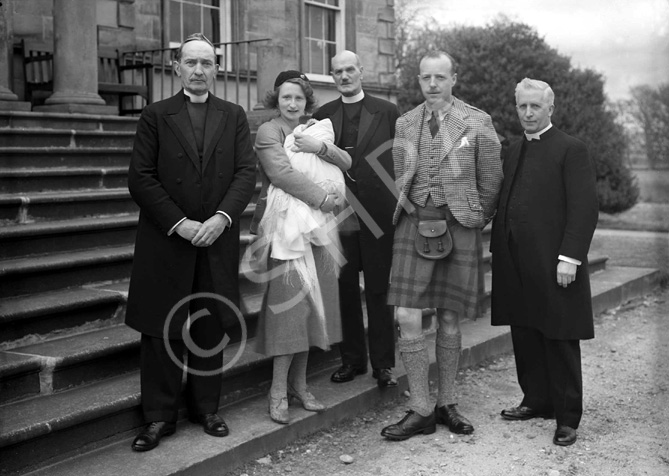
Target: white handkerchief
(463, 143)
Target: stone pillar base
(14, 106)
(66, 97)
(79, 109)
(7, 95)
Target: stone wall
(33, 21)
(373, 38)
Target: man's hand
(187, 229)
(210, 230)
(566, 273)
(305, 143)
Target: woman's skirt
(289, 318)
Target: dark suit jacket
(559, 216)
(372, 170)
(169, 183)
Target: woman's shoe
(278, 409)
(307, 400)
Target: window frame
(340, 36)
(225, 21)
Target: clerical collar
(353, 99)
(197, 99)
(441, 112)
(537, 135)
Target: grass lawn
(642, 216)
(653, 185)
(652, 211)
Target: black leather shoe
(564, 436)
(150, 436)
(212, 423)
(346, 373)
(412, 424)
(384, 378)
(450, 416)
(524, 413)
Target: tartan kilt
(451, 283)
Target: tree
(491, 60)
(650, 108)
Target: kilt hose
(451, 283)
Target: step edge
(22, 266)
(55, 227)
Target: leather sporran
(433, 240)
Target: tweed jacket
(471, 168)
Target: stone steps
(33, 300)
(23, 180)
(60, 236)
(64, 156)
(58, 425)
(37, 316)
(37, 274)
(36, 206)
(37, 120)
(42, 137)
(62, 292)
(66, 205)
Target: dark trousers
(162, 374)
(549, 374)
(380, 322)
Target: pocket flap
(432, 228)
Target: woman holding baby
(297, 244)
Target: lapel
(511, 159)
(337, 119)
(455, 126)
(213, 132)
(413, 123)
(178, 120)
(369, 121)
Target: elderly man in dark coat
(192, 173)
(546, 217)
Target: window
(323, 36)
(211, 17)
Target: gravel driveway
(624, 431)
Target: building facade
(263, 37)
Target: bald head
(347, 73)
(347, 57)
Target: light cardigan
(289, 224)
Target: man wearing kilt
(447, 166)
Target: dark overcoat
(372, 169)
(169, 182)
(558, 217)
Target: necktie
(434, 125)
(535, 136)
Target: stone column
(8, 100)
(270, 63)
(75, 60)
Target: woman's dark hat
(286, 75)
